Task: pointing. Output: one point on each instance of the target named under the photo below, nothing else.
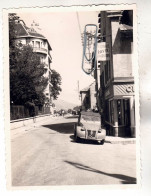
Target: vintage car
(89, 127)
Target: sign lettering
(103, 53)
(130, 89)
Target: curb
(121, 141)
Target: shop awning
(124, 27)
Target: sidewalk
(23, 130)
(120, 140)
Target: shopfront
(120, 110)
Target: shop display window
(111, 112)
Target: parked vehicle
(74, 112)
(89, 127)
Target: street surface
(48, 155)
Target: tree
(55, 89)
(27, 82)
(69, 111)
(13, 18)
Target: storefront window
(123, 112)
(127, 112)
(107, 111)
(111, 112)
(119, 111)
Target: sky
(63, 31)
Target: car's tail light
(80, 124)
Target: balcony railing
(43, 50)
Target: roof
(20, 30)
(114, 13)
(32, 32)
(86, 88)
(23, 31)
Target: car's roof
(90, 113)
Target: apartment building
(41, 46)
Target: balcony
(49, 55)
(40, 50)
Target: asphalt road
(47, 155)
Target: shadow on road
(66, 128)
(124, 179)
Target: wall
(85, 100)
(122, 52)
(92, 96)
(25, 122)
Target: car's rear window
(90, 118)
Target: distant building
(116, 90)
(41, 46)
(88, 97)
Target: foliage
(13, 18)
(69, 111)
(27, 82)
(56, 83)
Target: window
(123, 111)
(102, 80)
(49, 76)
(107, 71)
(44, 43)
(42, 59)
(126, 112)
(111, 112)
(119, 111)
(37, 44)
(33, 43)
(107, 112)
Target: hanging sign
(103, 53)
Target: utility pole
(78, 90)
(97, 62)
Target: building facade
(41, 46)
(117, 90)
(88, 97)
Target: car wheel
(102, 142)
(76, 138)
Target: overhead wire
(79, 23)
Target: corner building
(117, 92)
(41, 46)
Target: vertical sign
(103, 53)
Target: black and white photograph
(73, 114)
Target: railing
(36, 49)
(19, 111)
